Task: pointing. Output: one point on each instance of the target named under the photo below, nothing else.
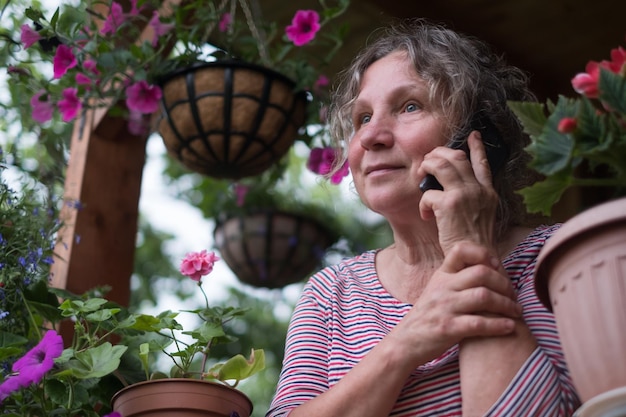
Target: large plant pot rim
(601, 215)
(227, 63)
(179, 381)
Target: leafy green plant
(580, 142)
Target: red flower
(42, 107)
(195, 265)
(29, 36)
(70, 105)
(567, 125)
(63, 60)
(143, 97)
(587, 82)
(303, 28)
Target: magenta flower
(31, 368)
(225, 22)
(137, 123)
(70, 105)
(240, 192)
(339, 175)
(91, 66)
(42, 107)
(322, 160)
(63, 60)
(82, 79)
(143, 97)
(114, 19)
(29, 36)
(134, 10)
(195, 265)
(303, 28)
(159, 28)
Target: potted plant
(111, 347)
(191, 70)
(581, 142)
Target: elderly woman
(445, 321)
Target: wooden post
(96, 244)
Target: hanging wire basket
(230, 119)
(272, 249)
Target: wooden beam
(96, 244)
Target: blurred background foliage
(37, 155)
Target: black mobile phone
(495, 148)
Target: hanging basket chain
(255, 32)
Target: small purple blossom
(63, 60)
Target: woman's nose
(377, 133)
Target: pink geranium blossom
(159, 28)
(195, 265)
(29, 36)
(303, 28)
(63, 60)
(42, 107)
(114, 19)
(143, 97)
(70, 105)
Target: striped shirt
(344, 311)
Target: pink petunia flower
(40, 359)
(225, 22)
(567, 125)
(143, 97)
(114, 20)
(321, 161)
(42, 107)
(63, 60)
(240, 192)
(303, 28)
(29, 36)
(82, 79)
(195, 265)
(91, 66)
(138, 125)
(31, 368)
(134, 10)
(159, 28)
(339, 175)
(70, 105)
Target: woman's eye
(362, 119)
(411, 107)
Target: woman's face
(395, 126)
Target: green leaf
(612, 90)
(552, 150)
(531, 116)
(541, 196)
(238, 367)
(94, 362)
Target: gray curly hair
(464, 76)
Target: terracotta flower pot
(272, 249)
(181, 397)
(581, 277)
(229, 119)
